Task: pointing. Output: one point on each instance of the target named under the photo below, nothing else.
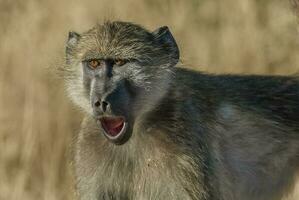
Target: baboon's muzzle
(112, 114)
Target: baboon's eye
(119, 62)
(93, 64)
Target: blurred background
(37, 121)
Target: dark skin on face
(114, 126)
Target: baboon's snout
(112, 114)
(112, 99)
(113, 103)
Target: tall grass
(37, 122)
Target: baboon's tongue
(112, 125)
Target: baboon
(155, 130)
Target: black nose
(97, 104)
(103, 105)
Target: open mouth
(114, 127)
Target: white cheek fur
(76, 91)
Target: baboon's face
(117, 72)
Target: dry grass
(37, 121)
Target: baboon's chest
(118, 175)
(149, 180)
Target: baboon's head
(117, 72)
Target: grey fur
(192, 135)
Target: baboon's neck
(169, 108)
(178, 104)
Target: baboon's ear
(164, 36)
(72, 41)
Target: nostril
(104, 106)
(97, 104)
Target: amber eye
(119, 62)
(93, 64)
